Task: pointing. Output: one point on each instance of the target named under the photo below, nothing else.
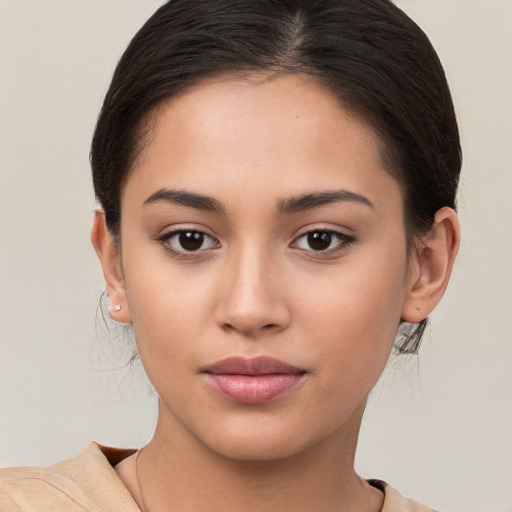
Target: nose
(252, 299)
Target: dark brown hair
(369, 53)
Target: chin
(261, 450)
(260, 442)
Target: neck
(177, 472)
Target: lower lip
(253, 389)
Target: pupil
(319, 241)
(191, 240)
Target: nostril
(228, 327)
(249, 329)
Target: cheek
(353, 317)
(168, 306)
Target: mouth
(252, 381)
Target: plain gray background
(438, 427)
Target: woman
(277, 184)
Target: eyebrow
(183, 198)
(285, 206)
(318, 199)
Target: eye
(323, 241)
(186, 241)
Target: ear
(108, 253)
(430, 266)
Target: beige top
(88, 482)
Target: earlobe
(431, 265)
(108, 255)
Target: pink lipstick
(252, 381)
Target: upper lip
(262, 365)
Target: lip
(252, 381)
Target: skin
(256, 287)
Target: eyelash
(344, 242)
(166, 239)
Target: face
(264, 265)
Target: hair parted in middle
(367, 53)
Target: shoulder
(85, 482)
(395, 502)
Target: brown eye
(319, 240)
(191, 240)
(325, 241)
(188, 241)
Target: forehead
(285, 134)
